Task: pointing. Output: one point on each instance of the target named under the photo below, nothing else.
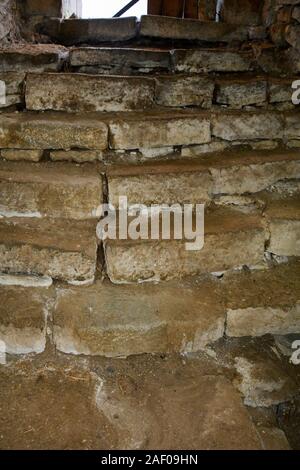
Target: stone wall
(8, 23)
(159, 125)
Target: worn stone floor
(238, 394)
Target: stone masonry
(94, 113)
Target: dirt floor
(238, 395)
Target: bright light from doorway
(105, 9)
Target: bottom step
(119, 321)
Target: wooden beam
(191, 9)
(173, 8)
(155, 7)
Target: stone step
(131, 131)
(61, 249)
(164, 27)
(58, 190)
(32, 131)
(199, 180)
(69, 92)
(231, 240)
(144, 60)
(116, 321)
(90, 31)
(114, 60)
(33, 58)
(119, 321)
(85, 93)
(96, 31)
(283, 215)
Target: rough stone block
(158, 130)
(23, 319)
(127, 320)
(184, 91)
(91, 31)
(33, 58)
(198, 181)
(120, 60)
(51, 131)
(280, 90)
(77, 92)
(231, 240)
(48, 190)
(26, 155)
(283, 216)
(253, 172)
(211, 60)
(160, 184)
(108, 321)
(292, 127)
(269, 304)
(247, 126)
(239, 93)
(61, 249)
(166, 27)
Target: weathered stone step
(113, 60)
(50, 190)
(130, 131)
(61, 249)
(115, 321)
(24, 314)
(69, 92)
(143, 130)
(200, 180)
(164, 27)
(81, 92)
(33, 131)
(145, 60)
(32, 58)
(97, 31)
(231, 240)
(90, 31)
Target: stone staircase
(201, 115)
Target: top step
(96, 31)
